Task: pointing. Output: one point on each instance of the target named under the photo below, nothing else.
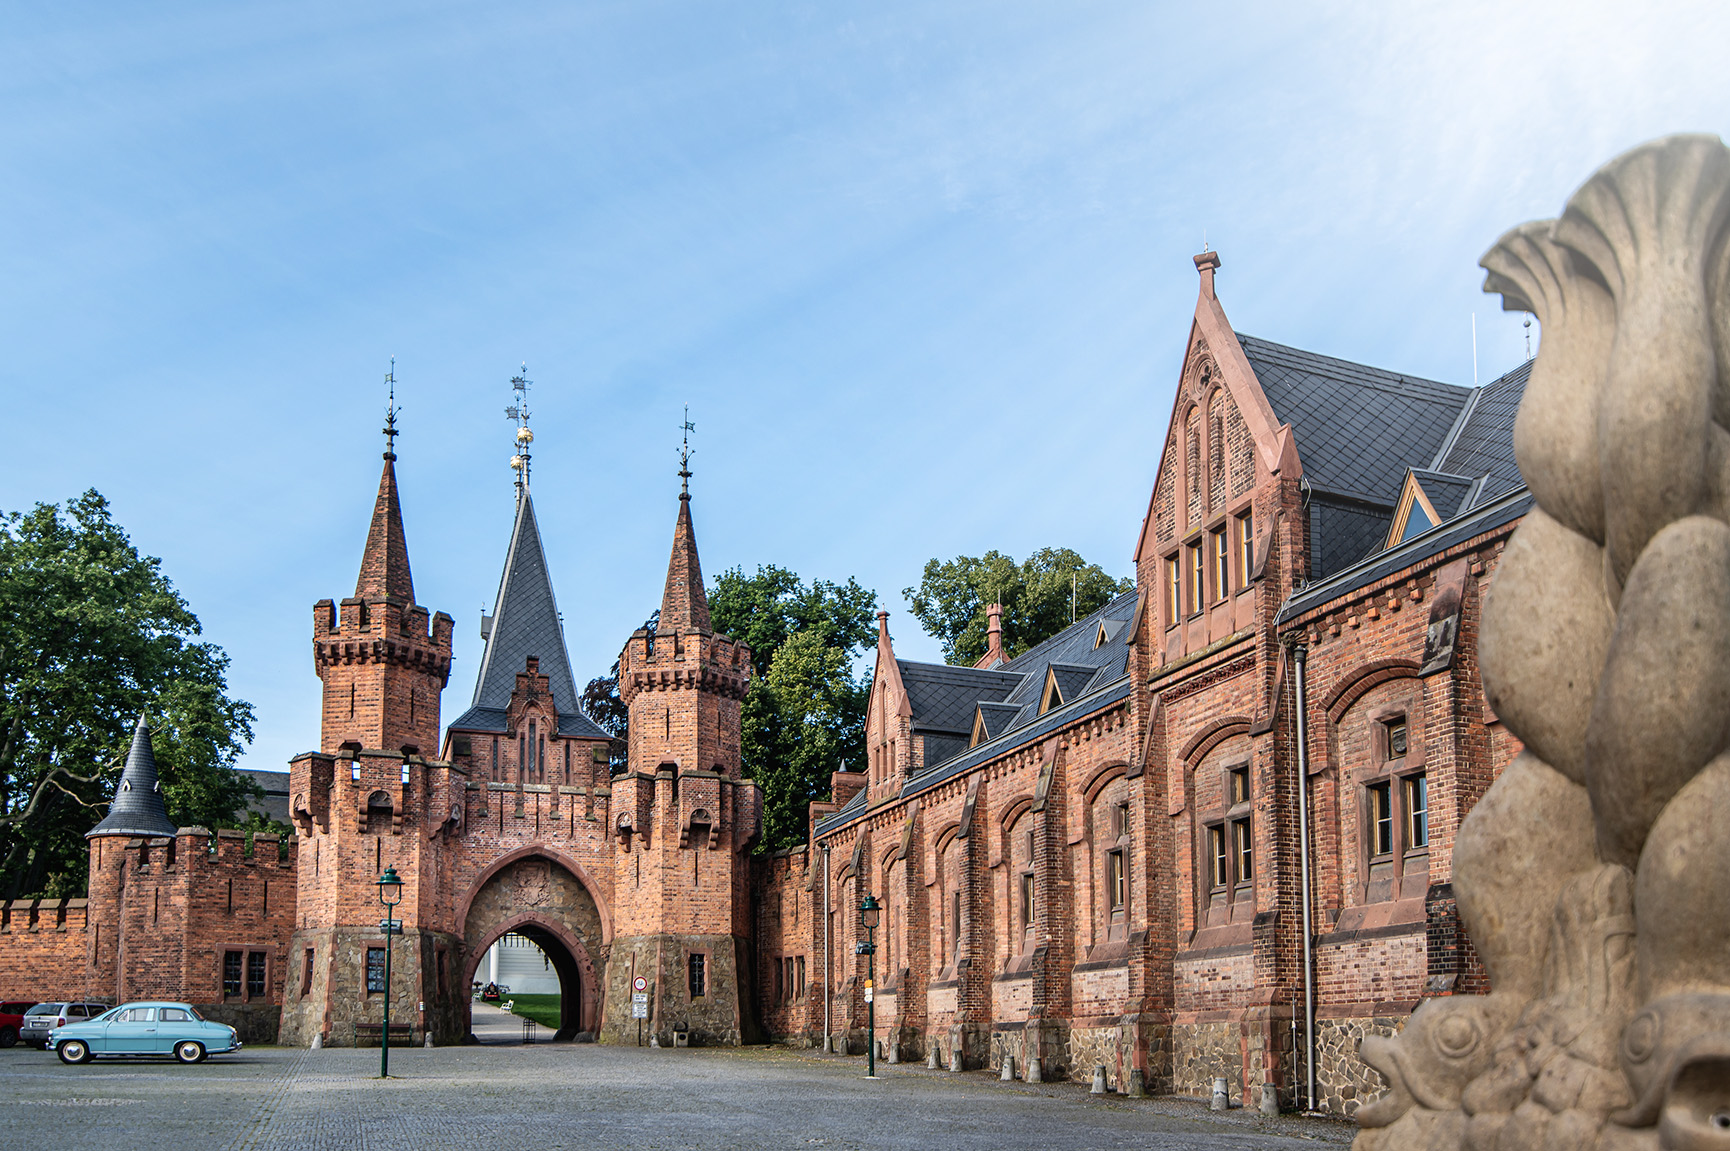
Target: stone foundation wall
(1343, 1081)
(254, 1022)
(1091, 1046)
(1201, 1052)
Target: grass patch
(543, 1009)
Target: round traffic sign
(639, 984)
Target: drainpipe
(828, 965)
(1299, 654)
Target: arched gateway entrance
(538, 895)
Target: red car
(12, 1018)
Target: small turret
(137, 809)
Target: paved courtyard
(558, 1096)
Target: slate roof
(1448, 494)
(274, 805)
(1010, 696)
(1509, 507)
(1358, 428)
(944, 696)
(137, 809)
(525, 622)
(1482, 443)
(491, 720)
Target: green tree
(92, 634)
(804, 718)
(951, 599)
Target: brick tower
(382, 657)
(368, 797)
(683, 820)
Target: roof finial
(390, 411)
(519, 413)
(685, 451)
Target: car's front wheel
(74, 1051)
(189, 1052)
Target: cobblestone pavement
(569, 1096)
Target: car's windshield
(44, 1009)
(108, 1015)
(193, 1011)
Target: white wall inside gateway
(520, 965)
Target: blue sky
(921, 270)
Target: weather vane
(390, 411)
(519, 414)
(685, 451)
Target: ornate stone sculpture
(1594, 875)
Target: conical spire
(384, 567)
(525, 622)
(684, 604)
(137, 809)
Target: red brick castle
(1206, 831)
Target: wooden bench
(401, 1034)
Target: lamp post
(869, 911)
(389, 894)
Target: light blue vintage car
(147, 1028)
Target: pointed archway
(535, 896)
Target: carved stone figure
(1594, 875)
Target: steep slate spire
(384, 565)
(525, 622)
(137, 809)
(684, 604)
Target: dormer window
(1052, 696)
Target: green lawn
(543, 1009)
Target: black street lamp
(389, 894)
(868, 915)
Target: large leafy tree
(804, 718)
(92, 635)
(1041, 596)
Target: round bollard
(955, 1059)
(317, 1040)
(1269, 1099)
(931, 1059)
(1008, 1068)
(427, 1042)
(1098, 1080)
(1137, 1083)
(1221, 1098)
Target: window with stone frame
(1197, 564)
(1244, 529)
(1025, 909)
(1173, 592)
(1226, 852)
(257, 968)
(697, 970)
(1219, 550)
(306, 974)
(948, 903)
(375, 971)
(233, 966)
(1392, 809)
(1110, 835)
(891, 936)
